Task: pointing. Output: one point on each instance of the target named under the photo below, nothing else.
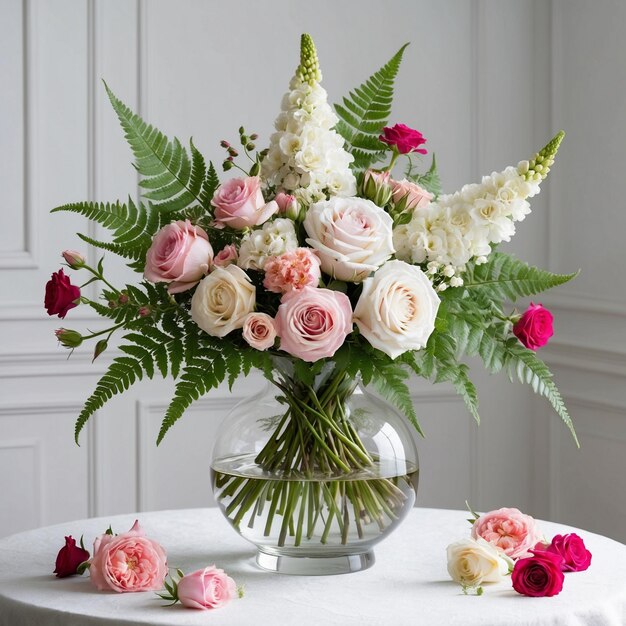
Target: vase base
(315, 565)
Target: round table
(408, 584)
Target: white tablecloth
(407, 585)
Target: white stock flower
(222, 300)
(352, 236)
(275, 238)
(397, 309)
(472, 562)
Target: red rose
(534, 328)
(405, 139)
(571, 547)
(61, 295)
(69, 558)
(539, 575)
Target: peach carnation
(294, 269)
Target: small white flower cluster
(460, 226)
(306, 156)
(275, 238)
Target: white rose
(222, 300)
(352, 236)
(397, 308)
(472, 562)
(274, 239)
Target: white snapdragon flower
(273, 239)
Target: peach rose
(415, 197)
(294, 269)
(180, 255)
(128, 562)
(239, 203)
(509, 530)
(208, 588)
(259, 330)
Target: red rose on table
(61, 295)
(571, 547)
(405, 139)
(534, 328)
(539, 575)
(69, 558)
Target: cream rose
(472, 562)
(222, 300)
(352, 236)
(397, 308)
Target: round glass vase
(314, 473)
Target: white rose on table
(472, 562)
(352, 236)
(222, 300)
(397, 308)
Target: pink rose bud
(208, 588)
(403, 139)
(539, 575)
(259, 330)
(226, 256)
(68, 559)
(144, 311)
(239, 203)
(128, 562)
(410, 194)
(61, 295)
(287, 205)
(535, 327)
(376, 187)
(571, 547)
(69, 338)
(74, 259)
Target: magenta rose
(128, 562)
(403, 138)
(509, 530)
(539, 575)
(61, 295)
(68, 559)
(208, 588)
(313, 323)
(571, 547)
(239, 203)
(535, 327)
(180, 255)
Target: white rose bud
(222, 300)
(472, 562)
(397, 308)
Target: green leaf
(430, 180)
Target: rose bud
(69, 338)
(403, 139)
(534, 327)
(101, 346)
(74, 259)
(208, 588)
(377, 187)
(70, 556)
(288, 206)
(61, 295)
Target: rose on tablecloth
(70, 556)
(538, 575)
(571, 547)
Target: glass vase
(314, 473)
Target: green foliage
(429, 180)
(365, 112)
(506, 277)
(173, 180)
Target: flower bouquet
(319, 266)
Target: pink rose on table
(403, 138)
(294, 269)
(539, 575)
(414, 196)
(180, 255)
(128, 562)
(68, 559)
(535, 327)
(313, 323)
(61, 295)
(226, 256)
(208, 588)
(509, 530)
(239, 203)
(259, 330)
(571, 547)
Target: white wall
(476, 81)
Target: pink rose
(287, 205)
(509, 530)
(128, 562)
(413, 195)
(208, 588)
(539, 575)
(313, 323)
(74, 259)
(535, 327)
(180, 255)
(61, 295)
(405, 139)
(226, 256)
(294, 269)
(259, 330)
(571, 547)
(239, 203)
